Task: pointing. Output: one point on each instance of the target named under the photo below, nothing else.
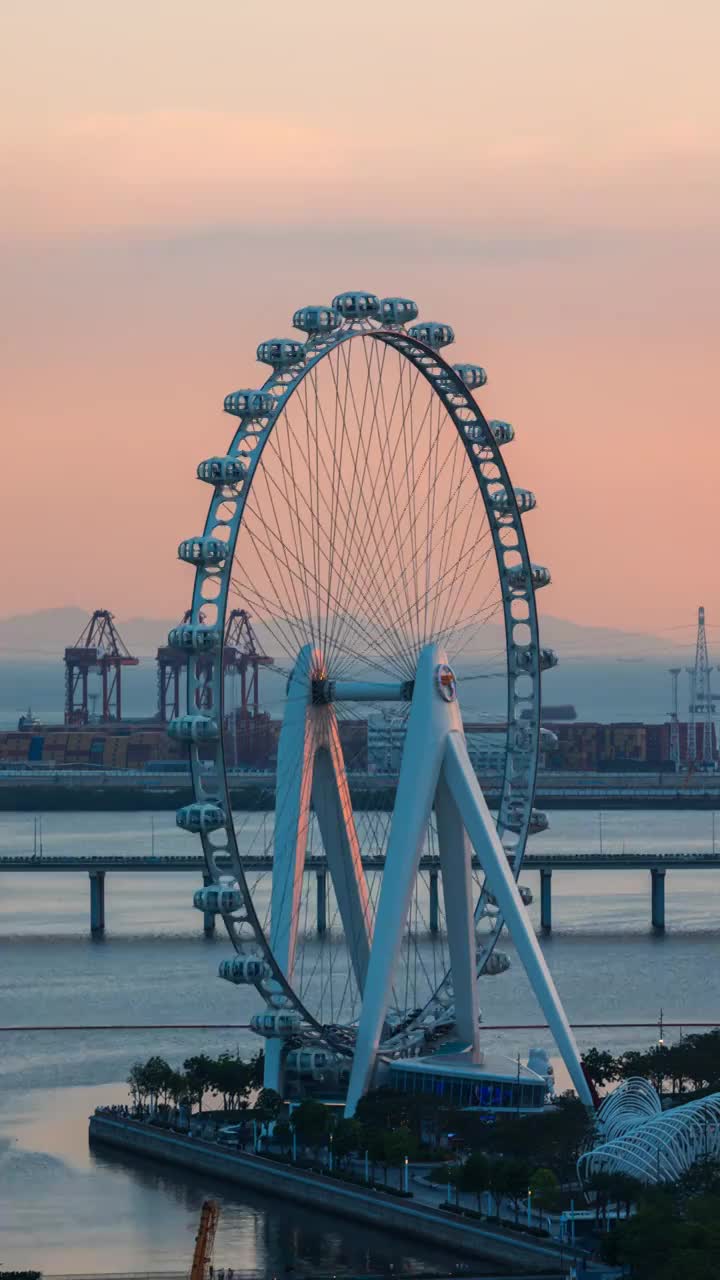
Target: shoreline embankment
(374, 1208)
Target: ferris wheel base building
(365, 515)
(448, 1077)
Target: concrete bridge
(98, 865)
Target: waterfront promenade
(414, 1217)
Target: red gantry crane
(98, 648)
(243, 653)
(171, 664)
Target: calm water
(63, 1209)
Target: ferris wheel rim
(456, 399)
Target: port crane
(98, 648)
(243, 656)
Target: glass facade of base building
(469, 1091)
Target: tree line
(155, 1083)
(675, 1233)
(690, 1065)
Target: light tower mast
(702, 705)
(674, 721)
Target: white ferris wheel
(365, 517)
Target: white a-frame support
(436, 769)
(310, 765)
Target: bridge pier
(321, 912)
(546, 899)
(208, 916)
(657, 898)
(434, 902)
(97, 902)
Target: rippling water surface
(64, 1209)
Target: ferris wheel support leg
(427, 729)
(456, 867)
(296, 750)
(333, 810)
(470, 800)
(274, 1061)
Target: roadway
(676, 860)
(42, 788)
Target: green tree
(601, 1066)
(282, 1133)
(347, 1138)
(400, 1145)
(230, 1077)
(389, 1109)
(178, 1087)
(545, 1189)
(702, 1178)
(256, 1069)
(269, 1104)
(474, 1175)
(311, 1122)
(667, 1239)
(517, 1181)
(374, 1144)
(497, 1182)
(137, 1083)
(199, 1072)
(158, 1078)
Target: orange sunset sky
(178, 177)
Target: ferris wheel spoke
(296, 581)
(362, 547)
(454, 488)
(484, 535)
(314, 516)
(387, 465)
(288, 631)
(394, 516)
(296, 524)
(345, 434)
(377, 540)
(419, 598)
(300, 569)
(366, 533)
(337, 460)
(438, 589)
(401, 545)
(407, 460)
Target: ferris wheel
(365, 517)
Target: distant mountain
(573, 640)
(44, 635)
